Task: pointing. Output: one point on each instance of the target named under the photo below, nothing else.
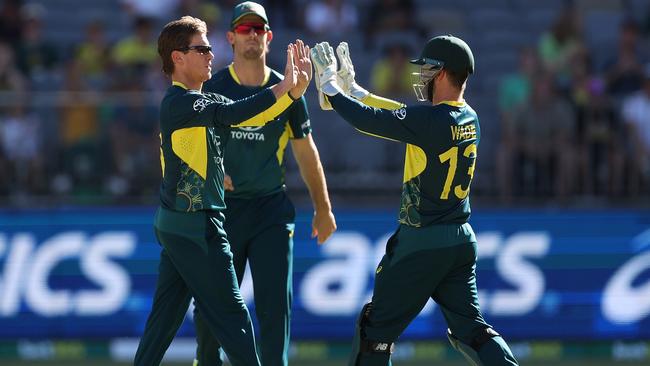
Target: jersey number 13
(452, 157)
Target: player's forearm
(377, 101)
(362, 117)
(281, 89)
(244, 110)
(270, 113)
(313, 175)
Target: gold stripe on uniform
(376, 101)
(282, 143)
(269, 114)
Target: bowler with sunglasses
(432, 254)
(195, 257)
(260, 218)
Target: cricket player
(432, 254)
(195, 260)
(259, 215)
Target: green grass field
(322, 353)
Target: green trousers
(196, 261)
(260, 231)
(420, 264)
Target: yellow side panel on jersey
(415, 162)
(191, 145)
(162, 157)
(269, 114)
(282, 143)
(376, 101)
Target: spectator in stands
(133, 139)
(21, 143)
(211, 14)
(36, 57)
(391, 16)
(514, 94)
(331, 18)
(158, 9)
(79, 134)
(636, 115)
(558, 45)
(11, 80)
(597, 143)
(624, 72)
(92, 56)
(600, 153)
(137, 51)
(545, 130)
(391, 75)
(11, 22)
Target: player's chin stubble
(252, 54)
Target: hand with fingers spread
(322, 56)
(303, 63)
(290, 75)
(346, 73)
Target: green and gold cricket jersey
(441, 150)
(194, 128)
(254, 156)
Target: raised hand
(322, 56)
(302, 61)
(290, 75)
(290, 70)
(346, 73)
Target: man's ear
(269, 37)
(230, 36)
(177, 57)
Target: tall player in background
(433, 252)
(259, 215)
(195, 260)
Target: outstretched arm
(396, 124)
(349, 85)
(297, 75)
(311, 170)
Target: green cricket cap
(246, 8)
(452, 52)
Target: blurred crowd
(79, 123)
(571, 126)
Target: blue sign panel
(83, 273)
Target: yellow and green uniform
(195, 260)
(259, 218)
(432, 254)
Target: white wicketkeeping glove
(322, 56)
(346, 74)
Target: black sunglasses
(204, 50)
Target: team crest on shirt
(251, 128)
(200, 104)
(400, 113)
